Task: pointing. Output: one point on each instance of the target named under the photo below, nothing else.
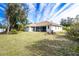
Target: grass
(36, 43)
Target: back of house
(44, 26)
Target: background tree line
(71, 25)
(69, 21)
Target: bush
(20, 27)
(73, 32)
(66, 28)
(13, 31)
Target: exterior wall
(29, 29)
(55, 28)
(48, 29)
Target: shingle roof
(44, 23)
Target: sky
(52, 12)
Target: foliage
(66, 22)
(3, 27)
(73, 32)
(66, 28)
(20, 27)
(13, 31)
(15, 14)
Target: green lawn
(36, 43)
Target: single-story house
(44, 26)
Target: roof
(44, 23)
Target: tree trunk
(8, 27)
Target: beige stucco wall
(30, 29)
(55, 28)
(48, 29)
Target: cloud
(42, 11)
(53, 11)
(65, 8)
(48, 11)
(71, 12)
(2, 9)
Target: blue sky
(46, 11)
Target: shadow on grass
(47, 47)
(5, 33)
(2, 33)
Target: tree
(76, 19)
(63, 22)
(15, 15)
(0, 25)
(66, 22)
(73, 32)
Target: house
(44, 26)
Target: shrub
(73, 32)
(66, 28)
(13, 31)
(20, 27)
